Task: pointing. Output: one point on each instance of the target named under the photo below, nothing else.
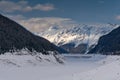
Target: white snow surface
(65, 33)
(110, 70)
(76, 67)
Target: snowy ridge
(24, 58)
(76, 33)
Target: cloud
(40, 24)
(9, 6)
(117, 17)
(44, 7)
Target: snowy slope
(66, 33)
(109, 71)
(24, 58)
(76, 67)
(43, 71)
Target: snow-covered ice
(110, 70)
(76, 67)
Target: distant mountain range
(76, 38)
(14, 37)
(68, 36)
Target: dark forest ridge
(15, 37)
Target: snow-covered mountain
(74, 37)
(66, 33)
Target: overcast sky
(81, 11)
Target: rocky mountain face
(76, 38)
(14, 37)
(108, 44)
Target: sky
(81, 11)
